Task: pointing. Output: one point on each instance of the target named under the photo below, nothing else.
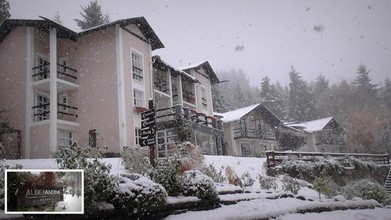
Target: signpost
(148, 131)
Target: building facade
(250, 131)
(59, 87)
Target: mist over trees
(361, 107)
(92, 16)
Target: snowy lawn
(252, 205)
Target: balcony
(253, 134)
(64, 112)
(187, 114)
(66, 77)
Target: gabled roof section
(141, 23)
(316, 125)
(257, 109)
(43, 24)
(207, 68)
(158, 63)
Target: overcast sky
(262, 38)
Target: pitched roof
(259, 108)
(45, 24)
(161, 64)
(312, 126)
(207, 68)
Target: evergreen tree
(322, 94)
(301, 100)
(4, 10)
(92, 16)
(220, 104)
(365, 91)
(272, 97)
(57, 18)
(386, 94)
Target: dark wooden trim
(134, 34)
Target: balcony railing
(64, 112)
(183, 113)
(42, 71)
(253, 133)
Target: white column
(120, 88)
(29, 90)
(53, 90)
(180, 96)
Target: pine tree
(322, 94)
(301, 100)
(92, 16)
(386, 94)
(272, 97)
(57, 18)
(365, 91)
(4, 10)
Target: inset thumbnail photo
(44, 191)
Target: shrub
(321, 186)
(98, 183)
(138, 195)
(190, 156)
(198, 184)
(212, 173)
(232, 177)
(166, 173)
(136, 160)
(366, 189)
(247, 180)
(290, 184)
(267, 183)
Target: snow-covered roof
(311, 126)
(46, 24)
(207, 68)
(235, 115)
(181, 72)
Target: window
(204, 99)
(43, 69)
(137, 137)
(166, 142)
(63, 103)
(137, 67)
(161, 81)
(188, 91)
(92, 138)
(41, 107)
(138, 98)
(245, 147)
(65, 139)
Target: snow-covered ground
(259, 206)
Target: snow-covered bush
(366, 189)
(212, 172)
(190, 156)
(167, 174)
(198, 184)
(321, 186)
(136, 160)
(98, 183)
(138, 195)
(247, 180)
(290, 184)
(232, 177)
(267, 183)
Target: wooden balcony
(253, 134)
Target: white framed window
(138, 98)
(41, 107)
(137, 67)
(65, 139)
(137, 132)
(63, 103)
(42, 68)
(204, 99)
(166, 140)
(62, 67)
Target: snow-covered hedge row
(138, 195)
(198, 184)
(366, 189)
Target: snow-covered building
(250, 131)
(104, 78)
(183, 97)
(322, 135)
(59, 86)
